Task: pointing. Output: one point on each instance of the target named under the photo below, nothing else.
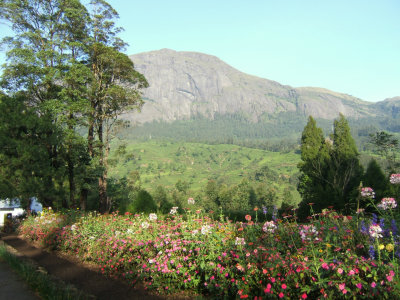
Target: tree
(66, 63)
(24, 160)
(41, 66)
(314, 159)
(330, 169)
(114, 87)
(345, 170)
(143, 202)
(386, 145)
(161, 199)
(375, 178)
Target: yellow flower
(328, 245)
(389, 247)
(381, 247)
(320, 250)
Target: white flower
(395, 179)
(190, 201)
(205, 229)
(307, 232)
(174, 210)
(194, 232)
(145, 225)
(367, 192)
(73, 227)
(375, 231)
(240, 241)
(387, 203)
(129, 231)
(153, 217)
(269, 227)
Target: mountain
(184, 85)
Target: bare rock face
(187, 84)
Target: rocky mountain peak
(187, 84)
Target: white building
(13, 206)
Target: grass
(165, 163)
(45, 286)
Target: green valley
(194, 164)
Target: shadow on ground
(82, 278)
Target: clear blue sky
(348, 46)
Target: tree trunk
(104, 201)
(71, 179)
(28, 206)
(83, 198)
(86, 181)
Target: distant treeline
(278, 133)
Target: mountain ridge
(185, 84)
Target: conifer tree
(330, 169)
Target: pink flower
(373, 284)
(352, 272)
(304, 296)
(325, 266)
(344, 291)
(342, 286)
(281, 295)
(284, 286)
(340, 271)
(268, 288)
(359, 285)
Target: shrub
(143, 202)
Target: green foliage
(376, 179)
(143, 202)
(161, 199)
(386, 145)
(29, 167)
(65, 63)
(330, 168)
(333, 256)
(210, 171)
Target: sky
(348, 46)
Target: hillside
(166, 163)
(184, 85)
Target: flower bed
(332, 255)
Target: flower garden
(264, 257)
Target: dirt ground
(83, 276)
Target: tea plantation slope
(165, 163)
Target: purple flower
(394, 227)
(371, 252)
(363, 227)
(275, 213)
(374, 218)
(265, 210)
(382, 222)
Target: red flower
(248, 218)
